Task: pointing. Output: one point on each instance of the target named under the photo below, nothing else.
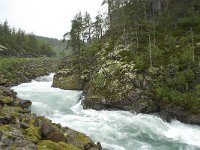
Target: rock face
(66, 79)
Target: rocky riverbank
(19, 128)
(14, 71)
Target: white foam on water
(116, 130)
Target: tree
(87, 27)
(76, 37)
(98, 27)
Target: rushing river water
(116, 130)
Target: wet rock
(78, 139)
(170, 112)
(52, 133)
(99, 145)
(92, 146)
(25, 103)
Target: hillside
(145, 58)
(58, 46)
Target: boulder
(51, 132)
(80, 140)
(25, 103)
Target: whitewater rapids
(116, 130)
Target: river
(116, 130)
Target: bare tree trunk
(150, 52)
(124, 34)
(192, 37)
(137, 40)
(154, 30)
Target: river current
(116, 130)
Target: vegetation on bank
(145, 49)
(17, 70)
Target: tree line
(22, 43)
(154, 29)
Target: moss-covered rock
(49, 145)
(7, 100)
(6, 127)
(78, 139)
(18, 70)
(65, 79)
(33, 134)
(19, 129)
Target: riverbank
(15, 70)
(19, 128)
(116, 82)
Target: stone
(78, 139)
(25, 103)
(52, 133)
(99, 145)
(24, 125)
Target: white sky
(51, 18)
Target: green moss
(13, 147)
(33, 134)
(100, 80)
(5, 128)
(49, 145)
(15, 70)
(7, 100)
(82, 138)
(72, 82)
(10, 110)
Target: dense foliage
(159, 35)
(17, 43)
(15, 70)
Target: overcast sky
(51, 18)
